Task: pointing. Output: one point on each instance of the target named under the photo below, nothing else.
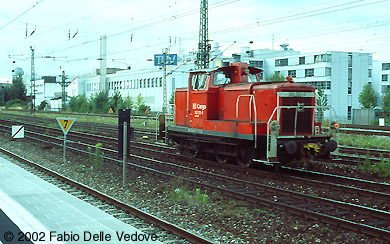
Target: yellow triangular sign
(65, 124)
(110, 111)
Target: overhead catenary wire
(20, 15)
(226, 30)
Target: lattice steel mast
(203, 57)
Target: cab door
(198, 99)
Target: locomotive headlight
(291, 147)
(331, 145)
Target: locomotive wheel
(222, 159)
(191, 149)
(244, 156)
(219, 156)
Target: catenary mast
(203, 57)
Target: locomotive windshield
(221, 78)
(198, 81)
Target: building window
(349, 74)
(173, 84)
(350, 60)
(386, 66)
(349, 87)
(140, 83)
(385, 78)
(261, 75)
(309, 72)
(148, 83)
(301, 60)
(328, 71)
(160, 81)
(320, 84)
(281, 62)
(156, 80)
(349, 112)
(322, 58)
(256, 63)
(369, 73)
(152, 82)
(292, 73)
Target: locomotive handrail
(278, 108)
(252, 98)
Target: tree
(277, 76)
(368, 97)
(321, 102)
(116, 100)
(16, 91)
(80, 104)
(128, 103)
(386, 100)
(100, 102)
(140, 105)
(42, 105)
(172, 99)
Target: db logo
(198, 106)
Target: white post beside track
(124, 151)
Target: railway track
(355, 217)
(126, 213)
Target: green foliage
(277, 76)
(98, 162)
(15, 103)
(381, 169)
(80, 104)
(127, 103)
(100, 102)
(96, 159)
(368, 97)
(116, 100)
(42, 105)
(386, 100)
(259, 212)
(365, 141)
(140, 105)
(18, 89)
(184, 195)
(324, 229)
(172, 99)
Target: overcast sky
(138, 29)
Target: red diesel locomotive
(227, 112)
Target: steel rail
(364, 228)
(121, 205)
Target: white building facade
(341, 74)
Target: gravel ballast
(218, 218)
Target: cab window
(198, 81)
(221, 78)
(253, 78)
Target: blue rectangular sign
(171, 59)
